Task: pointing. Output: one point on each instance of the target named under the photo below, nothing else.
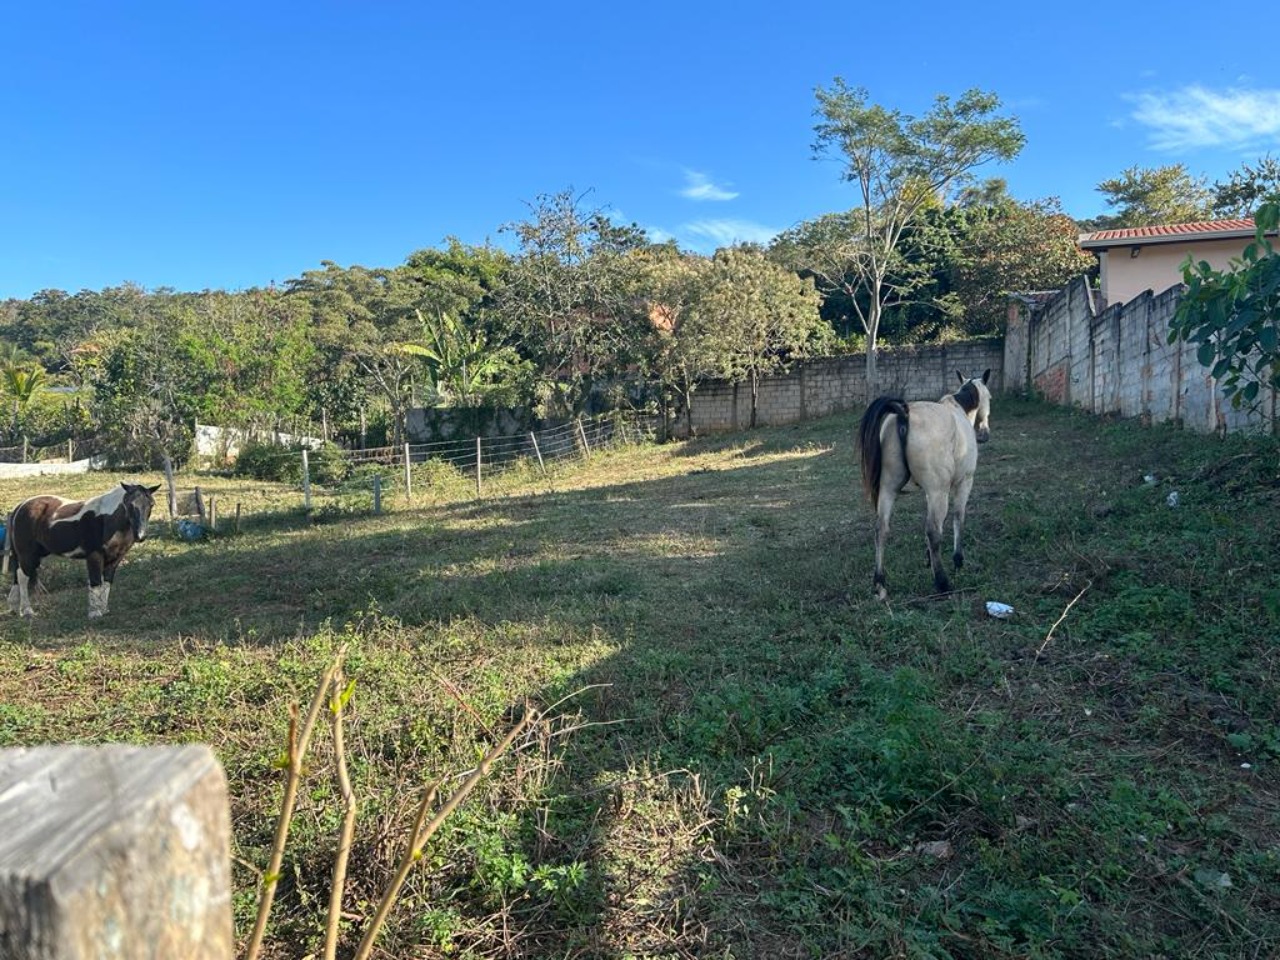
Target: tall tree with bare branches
(901, 164)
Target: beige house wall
(1158, 266)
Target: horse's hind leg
(884, 510)
(962, 501)
(933, 525)
(25, 584)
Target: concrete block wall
(827, 385)
(1120, 362)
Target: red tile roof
(1167, 233)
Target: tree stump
(114, 852)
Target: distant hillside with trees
(580, 313)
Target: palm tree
(22, 379)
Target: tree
(464, 369)
(23, 379)
(830, 250)
(572, 302)
(901, 164)
(684, 347)
(750, 317)
(1150, 196)
(461, 280)
(1245, 189)
(1234, 314)
(360, 317)
(1006, 247)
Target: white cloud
(1198, 117)
(724, 233)
(698, 186)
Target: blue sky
(230, 145)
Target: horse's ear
(986, 374)
(960, 375)
(153, 489)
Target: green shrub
(282, 463)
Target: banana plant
(462, 366)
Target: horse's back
(941, 449)
(32, 520)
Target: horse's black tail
(869, 441)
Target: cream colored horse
(934, 445)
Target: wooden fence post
(237, 527)
(173, 491)
(408, 474)
(306, 481)
(583, 434)
(377, 494)
(116, 851)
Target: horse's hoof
(95, 614)
(881, 592)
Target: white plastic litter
(1001, 611)
(1172, 499)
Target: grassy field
(749, 755)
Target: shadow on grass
(766, 749)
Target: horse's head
(138, 502)
(975, 399)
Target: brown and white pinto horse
(99, 531)
(934, 444)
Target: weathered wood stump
(114, 852)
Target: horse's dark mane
(869, 440)
(968, 397)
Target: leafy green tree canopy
(1006, 247)
(1234, 314)
(901, 164)
(1247, 188)
(1149, 196)
(572, 303)
(751, 317)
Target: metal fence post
(538, 450)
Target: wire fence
(326, 480)
(30, 453)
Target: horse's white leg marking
(15, 598)
(24, 595)
(97, 601)
(106, 594)
(962, 500)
